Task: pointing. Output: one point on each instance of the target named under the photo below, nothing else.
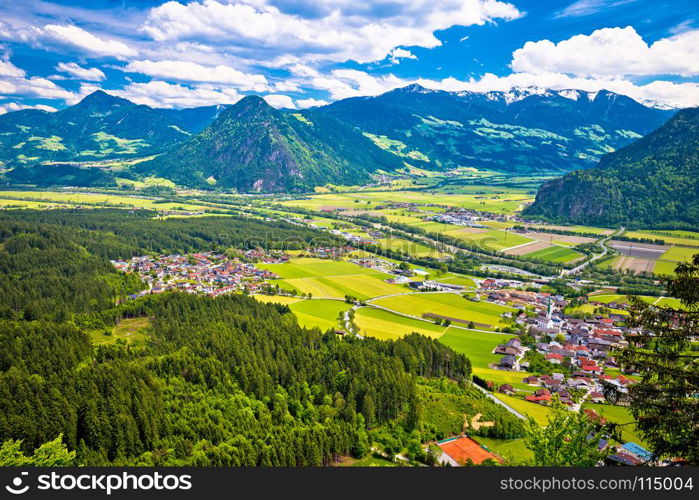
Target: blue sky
(300, 53)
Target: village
(206, 273)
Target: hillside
(254, 147)
(652, 181)
(101, 126)
(521, 130)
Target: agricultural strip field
(575, 229)
(276, 299)
(688, 238)
(664, 267)
(361, 286)
(448, 305)
(498, 203)
(623, 262)
(312, 268)
(642, 250)
(552, 237)
(385, 325)
(556, 253)
(528, 248)
(493, 239)
(679, 254)
(30, 199)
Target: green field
(455, 279)
(408, 247)
(323, 314)
(664, 267)
(277, 299)
(514, 451)
(493, 239)
(671, 237)
(361, 286)
(29, 199)
(385, 325)
(367, 200)
(556, 254)
(449, 305)
(478, 346)
(312, 268)
(619, 415)
(679, 254)
(538, 412)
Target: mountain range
(522, 130)
(653, 181)
(250, 146)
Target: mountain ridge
(251, 146)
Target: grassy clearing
(514, 451)
(447, 304)
(385, 325)
(323, 314)
(131, 330)
(369, 461)
(556, 254)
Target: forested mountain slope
(652, 181)
(254, 147)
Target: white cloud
(161, 94)
(74, 36)
(611, 52)
(589, 7)
(14, 106)
(80, 73)
(397, 54)
(342, 30)
(185, 71)
(279, 101)
(310, 102)
(286, 86)
(14, 82)
(343, 83)
(8, 69)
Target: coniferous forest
(224, 381)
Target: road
(603, 244)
